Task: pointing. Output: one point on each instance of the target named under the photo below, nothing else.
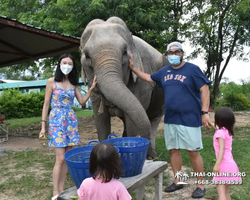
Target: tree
(145, 19)
(218, 31)
(25, 71)
(25, 12)
(150, 20)
(14, 9)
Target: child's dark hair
(105, 162)
(73, 77)
(224, 117)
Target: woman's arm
(82, 100)
(48, 93)
(220, 155)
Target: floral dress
(63, 127)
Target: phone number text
(216, 182)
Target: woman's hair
(105, 162)
(224, 117)
(73, 77)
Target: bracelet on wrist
(204, 112)
(44, 121)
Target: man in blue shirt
(187, 99)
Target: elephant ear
(83, 74)
(127, 36)
(84, 38)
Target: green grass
(84, 113)
(24, 122)
(27, 174)
(240, 151)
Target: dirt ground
(88, 132)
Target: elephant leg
(103, 124)
(155, 111)
(154, 126)
(133, 131)
(114, 111)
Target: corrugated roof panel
(27, 84)
(21, 42)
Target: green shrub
(236, 101)
(15, 104)
(235, 96)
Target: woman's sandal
(54, 197)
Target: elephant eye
(125, 57)
(87, 60)
(125, 52)
(87, 56)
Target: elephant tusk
(101, 107)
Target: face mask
(174, 60)
(66, 69)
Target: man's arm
(205, 101)
(140, 74)
(205, 97)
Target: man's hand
(206, 122)
(138, 72)
(131, 62)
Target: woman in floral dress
(63, 129)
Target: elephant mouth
(112, 108)
(106, 102)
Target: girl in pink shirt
(105, 168)
(225, 167)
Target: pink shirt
(94, 189)
(223, 133)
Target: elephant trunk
(115, 91)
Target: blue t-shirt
(182, 93)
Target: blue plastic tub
(77, 160)
(133, 152)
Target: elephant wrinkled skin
(106, 47)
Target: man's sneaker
(198, 193)
(173, 188)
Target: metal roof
(24, 84)
(28, 84)
(21, 42)
(9, 81)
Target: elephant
(105, 48)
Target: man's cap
(178, 44)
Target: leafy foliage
(217, 29)
(235, 96)
(25, 71)
(150, 20)
(15, 104)
(237, 102)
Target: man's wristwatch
(204, 112)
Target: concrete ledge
(150, 170)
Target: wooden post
(158, 186)
(140, 192)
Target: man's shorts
(182, 137)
